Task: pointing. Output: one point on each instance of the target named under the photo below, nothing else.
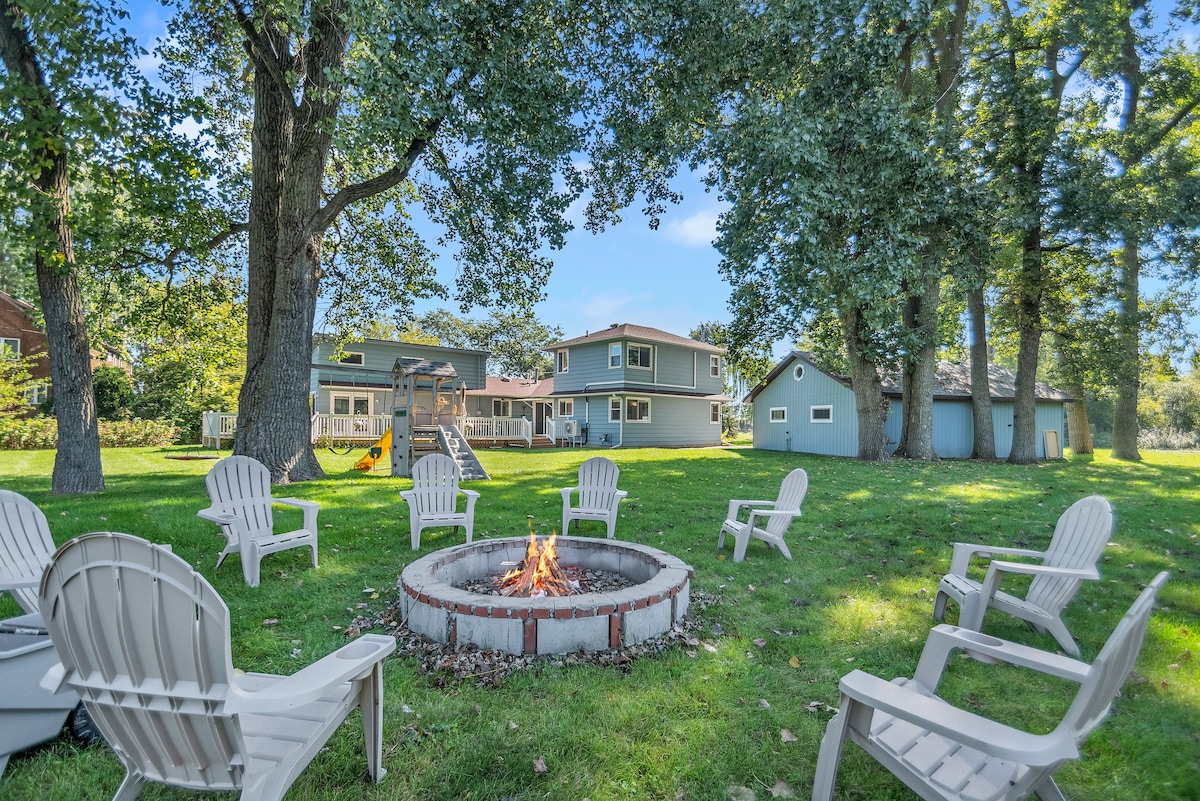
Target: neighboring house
(22, 337)
(800, 408)
(504, 397)
(637, 386)
(358, 381)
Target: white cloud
(698, 229)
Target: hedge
(41, 433)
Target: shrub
(114, 393)
(1168, 439)
(41, 433)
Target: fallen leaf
(406, 709)
(539, 765)
(764, 703)
(782, 790)
(794, 661)
(712, 649)
(271, 621)
(740, 794)
(760, 642)
(787, 737)
(512, 725)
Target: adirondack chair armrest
(353, 660)
(736, 506)
(944, 639)
(469, 493)
(19, 582)
(997, 569)
(619, 494)
(221, 518)
(310, 510)
(958, 724)
(756, 513)
(407, 495)
(963, 551)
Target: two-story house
(20, 336)
(634, 386)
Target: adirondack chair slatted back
(435, 480)
(117, 609)
(1079, 539)
(241, 486)
(597, 483)
(791, 496)
(1112, 666)
(25, 545)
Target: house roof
(20, 304)
(638, 332)
(952, 381)
(505, 387)
(428, 367)
(328, 338)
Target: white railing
(216, 426)
(552, 424)
(349, 427)
(498, 428)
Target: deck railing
(498, 428)
(349, 427)
(216, 426)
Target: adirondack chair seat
(1079, 539)
(240, 491)
(777, 514)
(145, 641)
(599, 498)
(945, 753)
(433, 499)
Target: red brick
(614, 631)
(564, 614)
(531, 636)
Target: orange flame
(538, 574)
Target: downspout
(621, 425)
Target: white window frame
(614, 356)
(350, 397)
(637, 401)
(771, 418)
(714, 412)
(812, 414)
(566, 407)
(637, 347)
(353, 357)
(38, 393)
(13, 344)
(505, 406)
(614, 406)
(798, 372)
(562, 360)
(714, 366)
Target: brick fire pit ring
(593, 621)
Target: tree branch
(262, 53)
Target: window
(637, 410)
(351, 358)
(501, 407)
(39, 393)
(11, 345)
(566, 407)
(639, 356)
(352, 404)
(714, 366)
(614, 355)
(778, 414)
(714, 412)
(820, 414)
(562, 360)
(614, 410)
(798, 372)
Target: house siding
(799, 434)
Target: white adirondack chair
(946, 753)
(778, 515)
(145, 640)
(1079, 539)
(598, 495)
(433, 499)
(240, 491)
(25, 548)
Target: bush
(1167, 439)
(114, 393)
(41, 433)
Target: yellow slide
(376, 452)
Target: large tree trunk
(1125, 422)
(77, 466)
(984, 446)
(1079, 427)
(920, 369)
(289, 154)
(870, 406)
(1029, 319)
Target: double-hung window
(637, 410)
(501, 407)
(11, 346)
(639, 356)
(614, 354)
(714, 366)
(614, 410)
(566, 407)
(562, 360)
(714, 412)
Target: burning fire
(538, 574)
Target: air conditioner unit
(571, 428)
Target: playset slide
(376, 452)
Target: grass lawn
(869, 551)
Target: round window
(798, 372)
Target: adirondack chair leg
(130, 787)
(1059, 630)
(314, 555)
(939, 606)
(784, 549)
(1048, 791)
(971, 609)
(371, 702)
(741, 540)
(612, 528)
(830, 755)
(250, 567)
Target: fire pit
(433, 600)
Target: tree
(114, 393)
(16, 382)
(740, 372)
(476, 112)
(514, 339)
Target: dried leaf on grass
(786, 736)
(539, 765)
(782, 790)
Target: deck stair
(454, 445)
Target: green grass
(869, 550)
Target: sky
(666, 278)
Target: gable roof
(639, 332)
(952, 381)
(504, 387)
(20, 304)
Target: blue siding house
(802, 409)
(630, 385)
